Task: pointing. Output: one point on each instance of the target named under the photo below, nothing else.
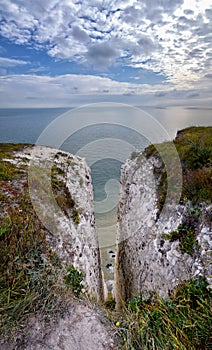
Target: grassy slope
(32, 279)
(194, 146)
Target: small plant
(57, 170)
(75, 216)
(110, 304)
(186, 236)
(73, 279)
(135, 303)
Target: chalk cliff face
(151, 254)
(61, 191)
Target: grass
(183, 321)
(32, 279)
(30, 272)
(194, 146)
(7, 170)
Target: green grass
(183, 321)
(7, 170)
(30, 272)
(31, 275)
(194, 146)
(7, 149)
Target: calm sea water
(26, 125)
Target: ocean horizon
(25, 125)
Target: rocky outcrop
(153, 254)
(61, 192)
(82, 326)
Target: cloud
(79, 34)
(160, 93)
(163, 36)
(102, 55)
(209, 76)
(10, 62)
(146, 44)
(188, 12)
(193, 95)
(71, 90)
(67, 90)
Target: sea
(105, 136)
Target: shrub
(198, 154)
(186, 236)
(197, 185)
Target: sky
(64, 53)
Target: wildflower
(118, 323)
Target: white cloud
(166, 36)
(69, 90)
(9, 62)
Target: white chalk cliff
(67, 212)
(145, 260)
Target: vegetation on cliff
(183, 321)
(194, 146)
(32, 278)
(33, 281)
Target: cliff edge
(157, 252)
(49, 253)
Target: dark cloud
(79, 34)
(195, 53)
(193, 95)
(160, 94)
(130, 93)
(208, 13)
(102, 54)
(146, 44)
(188, 12)
(167, 6)
(208, 76)
(131, 15)
(154, 14)
(203, 30)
